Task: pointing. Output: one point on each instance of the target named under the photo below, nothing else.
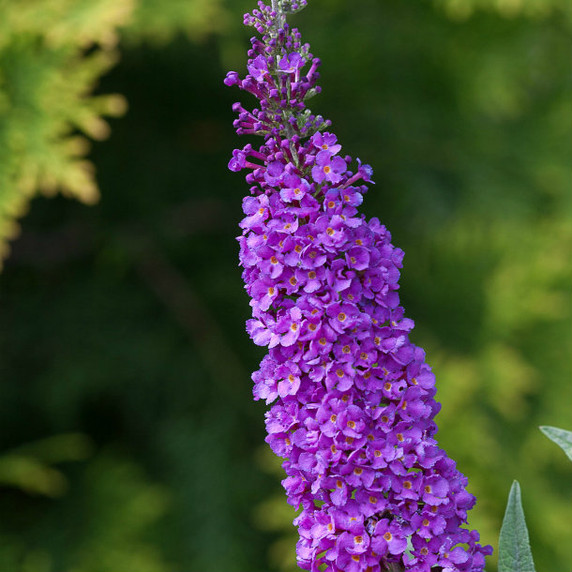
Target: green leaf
(31, 476)
(514, 546)
(561, 437)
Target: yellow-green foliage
(30, 466)
(52, 54)
(526, 292)
(48, 69)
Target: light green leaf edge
(514, 545)
(561, 437)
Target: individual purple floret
(353, 400)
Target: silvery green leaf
(514, 545)
(561, 437)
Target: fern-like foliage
(52, 53)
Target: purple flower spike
(353, 400)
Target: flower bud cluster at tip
(353, 400)
(282, 75)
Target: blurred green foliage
(46, 79)
(52, 54)
(128, 437)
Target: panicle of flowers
(353, 400)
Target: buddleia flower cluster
(353, 400)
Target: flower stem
(280, 16)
